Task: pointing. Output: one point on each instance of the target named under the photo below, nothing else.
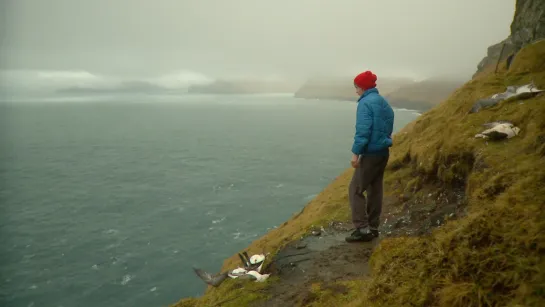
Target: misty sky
(251, 37)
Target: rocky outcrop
(495, 53)
(528, 26)
(529, 23)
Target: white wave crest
(126, 279)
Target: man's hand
(355, 161)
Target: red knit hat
(366, 80)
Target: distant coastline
(416, 106)
(400, 93)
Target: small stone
(316, 233)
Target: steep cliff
(463, 218)
(529, 23)
(528, 26)
(496, 53)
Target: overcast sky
(251, 37)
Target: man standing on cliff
(372, 140)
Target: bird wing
(496, 123)
(523, 89)
(257, 276)
(496, 135)
(248, 276)
(244, 262)
(487, 131)
(246, 257)
(213, 280)
(237, 272)
(255, 266)
(257, 257)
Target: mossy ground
(491, 257)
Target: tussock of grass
(491, 257)
(232, 293)
(342, 293)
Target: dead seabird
(515, 92)
(217, 279)
(251, 270)
(498, 131)
(496, 123)
(252, 263)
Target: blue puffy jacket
(374, 125)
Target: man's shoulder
(376, 100)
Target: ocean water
(111, 200)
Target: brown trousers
(367, 177)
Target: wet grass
(491, 257)
(232, 293)
(334, 294)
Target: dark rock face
(528, 26)
(495, 52)
(529, 22)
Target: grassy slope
(491, 256)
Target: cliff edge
(463, 218)
(528, 26)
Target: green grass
(491, 257)
(232, 293)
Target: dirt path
(324, 256)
